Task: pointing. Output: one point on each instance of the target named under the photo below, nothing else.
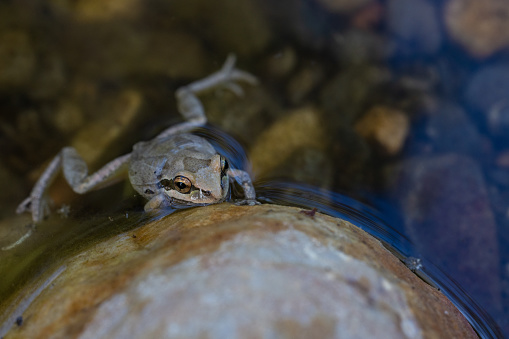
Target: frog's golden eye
(182, 184)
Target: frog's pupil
(181, 185)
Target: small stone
(49, 79)
(17, 59)
(344, 96)
(482, 27)
(385, 127)
(357, 46)
(486, 94)
(344, 6)
(300, 129)
(281, 63)
(451, 130)
(232, 26)
(415, 26)
(67, 117)
(304, 82)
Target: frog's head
(195, 181)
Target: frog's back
(151, 159)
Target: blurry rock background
(403, 102)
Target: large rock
(225, 271)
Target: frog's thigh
(75, 171)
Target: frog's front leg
(190, 106)
(244, 179)
(159, 202)
(75, 172)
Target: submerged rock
(448, 214)
(225, 271)
(480, 26)
(385, 128)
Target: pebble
(415, 26)
(481, 27)
(451, 130)
(17, 59)
(386, 128)
(486, 94)
(344, 6)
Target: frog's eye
(182, 184)
(166, 184)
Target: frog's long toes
(236, 89)
(246, 77)
(24, 206)
(229, 63)
(247, 202)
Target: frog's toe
(24, 206)
(247, 202)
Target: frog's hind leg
(190, 106)
(75, 172)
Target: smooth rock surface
(225, 271)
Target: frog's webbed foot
(38, 206)
(244, 180)
(157, 203)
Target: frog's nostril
(207, 193)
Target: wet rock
(486, 93)
(482, 27)
(357, 46)
(343, 6)
(447, 213)
(242, 117)
(415, 26)
(304, 81)
(101, 138)
(281, 63)
(67, 117)
(300, 129)
(451, 130)
(94, 10)
(385, 128)
(224, 271)
(345, 96)
(17, 59)
(122, 50)
(232, 26)
(49, 79)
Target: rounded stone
(225, 271)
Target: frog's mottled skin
(175, 169)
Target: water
(103, 78)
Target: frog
(176, 169)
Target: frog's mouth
(180, 204)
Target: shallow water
(103, 78)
